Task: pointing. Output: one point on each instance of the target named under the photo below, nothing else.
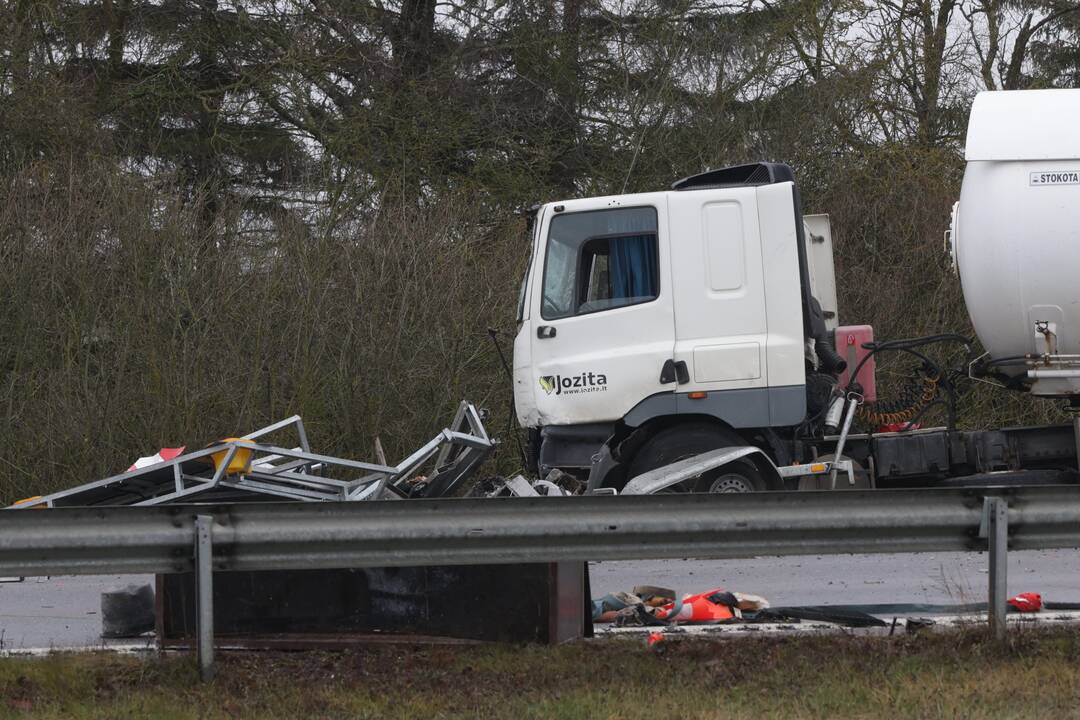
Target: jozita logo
(571, 384)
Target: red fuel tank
(849, 345)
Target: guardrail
(280, 536)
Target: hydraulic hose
(916, 396)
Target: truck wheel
(683, 441)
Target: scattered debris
(556, 484)
(751, 603)
(717, 607)
(566, 482)
(623, 607)
(835, 614)
(518, 486)
(920, 624)
(238, 468)
(651, 605)
(1026, 602)
(916, 625)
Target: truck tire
(683, 441)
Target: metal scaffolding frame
(233, 470)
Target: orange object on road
(710, 606)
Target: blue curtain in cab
(632, 266)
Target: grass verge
(932, 675)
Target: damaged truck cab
(688, 339)
(678, 320)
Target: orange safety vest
(696, 608)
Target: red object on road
(1027, 602)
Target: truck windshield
(599, 260)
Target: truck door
(601, 316)
(738, 317)
(720, 318)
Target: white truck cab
(691, 305)
(688, 340)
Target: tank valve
(1047, 330)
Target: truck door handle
(667, 373)
(681, 373)
(545, 331)
(674, 371)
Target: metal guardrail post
(204, 595)
(995, 528)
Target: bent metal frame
(232, 470)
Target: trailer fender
(669, 475)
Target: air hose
(919, 391)
(916, 393)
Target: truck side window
(598, 260)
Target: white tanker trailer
(1016, 237)
(699, 326)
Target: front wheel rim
(731, 483)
